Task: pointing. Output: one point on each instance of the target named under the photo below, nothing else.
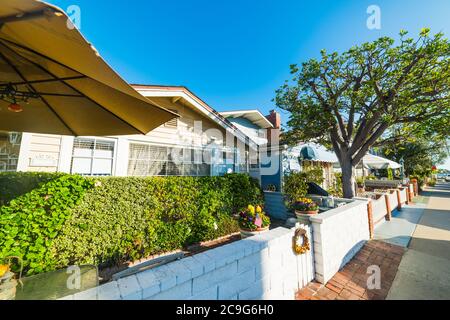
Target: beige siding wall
(184, 133)
(43, 153)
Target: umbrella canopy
(371, 161)
(53, 81)
(307, 153)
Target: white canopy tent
(371, 161)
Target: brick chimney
(274, 118)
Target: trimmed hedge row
(30, 223)
(78, 220)
(15, 184)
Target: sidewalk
(424, 272)
(400, 229)
(412, 250)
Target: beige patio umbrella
(53, 81)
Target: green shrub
(314, 174)
(390, 174)
(245, 190)
(360, 181)
(15, 184)
(336, 190)
(295, 186)
(30, 223)
(103, 221)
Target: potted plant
(305, 206)
(253, 221)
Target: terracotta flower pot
(303, 216)
(297, 212)
(246, 233)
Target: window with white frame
(93, 157)
(9, 150)
(153, 160)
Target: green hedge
(15, 184)
(76, 220)
(30, 223)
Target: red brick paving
(350, 283)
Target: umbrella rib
(32, 88)
(64, 82)
(47, 80)
(59, 94)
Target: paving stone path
(351, 282)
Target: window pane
(104, 149)
(83, 147)
(92, 156)
(174, 169)
(81, 166)
(204, 169)
(190, 169)
(102, 167)
(188, 155)
(9, 150)
(157, 168)
(158, 153)
(138, 168)
(139, 151)
(175, 155)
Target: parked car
(441, 176)
(447, 178)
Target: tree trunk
(348, 178)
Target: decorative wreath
(305, 247)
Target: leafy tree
(418, 154)
(348, 101)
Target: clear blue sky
(235, 54)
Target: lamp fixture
(10, 93)
(15, 107)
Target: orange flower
(3, 269)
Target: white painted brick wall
(259, 267)
(338, 235)
(393, 200)
(403, 195)
(379, 209)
